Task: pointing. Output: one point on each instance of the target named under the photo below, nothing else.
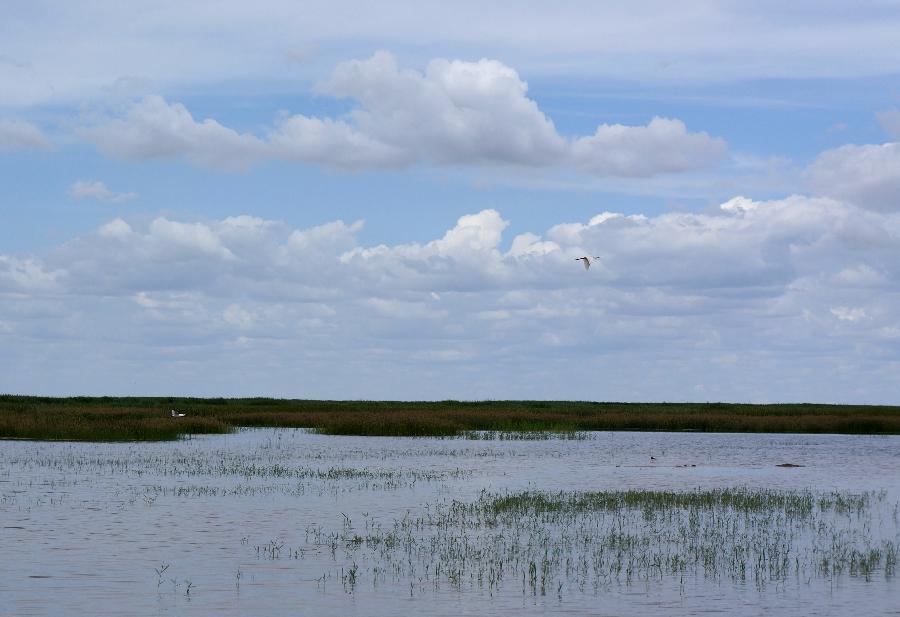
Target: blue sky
(332, 200)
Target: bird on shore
(587, 261)
(175, 414)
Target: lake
(287, 522)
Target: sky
(346, 200)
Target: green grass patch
(797, 503)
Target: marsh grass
(137, 418)
(540, 543)
(97, 421)
(736, 500)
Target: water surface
(235, 523)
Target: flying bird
(175, 414)
(587, 261)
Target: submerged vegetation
(146, 418)
(797, 504)
(540, 543)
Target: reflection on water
(281, 522)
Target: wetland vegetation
(265, 520)
(148, 418)
(572, 542)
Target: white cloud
(28, 275)
(181, 240)
(455, 113)
(83, 189)
(474, 234)
(325, 240)
(21, 135)
(116, 228)
(849, 314)
(773, 283)
(890, 122)
(859, 276)
(739, 204)
(332, 143)
(761, 247)
(531, 244)
(867, 175)
(467, 257)
(229, 41)
(156, 129)
(663, 146)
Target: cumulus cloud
(156, 129)
(453, 113)
(84, 189)
(466, 257)
(115, 229)
(664, 145)
(332, 143)
(746, 244)
(867, 175)
(760, 284)
(25, 275)
(180, 240)
(219, 257)
(21, 135)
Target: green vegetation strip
(737, 500)
(140, 418)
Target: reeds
(136, 418)
(577, 542)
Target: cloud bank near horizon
(680, 299)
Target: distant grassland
(137, 418)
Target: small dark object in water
(788, 465)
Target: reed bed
(138, 418)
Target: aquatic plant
(575, 542)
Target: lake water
(286, 522)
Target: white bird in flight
(587, 261)
(175, 414)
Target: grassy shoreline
(148, 419)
